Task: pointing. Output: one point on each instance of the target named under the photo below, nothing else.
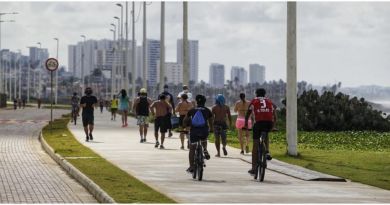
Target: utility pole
(126, 68)
(113, 61)
(162, 47)
(56, 71)
(133, 54)
(291, 116)
(82, 64)
(39, 70)
(144, 65)
(185, 44)
(20, 75)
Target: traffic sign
(51, 64)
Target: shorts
(168, 121)
(261, 126)
(199, 133)
(88, 120)
(113, 110)
(142, 120)
(240, 123)
(161, 124)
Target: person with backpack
(220, 112)
(182, 108)
(200, 121)
(141, 111)
(160, 109)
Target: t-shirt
(262, 108)
(205, 111)
(89, 101)
(188, 94)
(114, 103)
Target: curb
(93, 188)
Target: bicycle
(198, 162)
(75, 112)
(261, 164)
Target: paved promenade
(27, 173)
(225, 179)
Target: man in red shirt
(265, 118)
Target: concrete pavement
(27, 173)
(225, 179)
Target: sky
(336, 41)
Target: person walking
(88, 103)
(189, 94)
(124, 104)
(74, 101)
(169, 99)
(101, 103)
(20, 103)
(114, 107)
(220, 112)
(141, 110)
(200, 121)
(39, 101)
(241, 108)
(160, 109)
(24, 102)
(15, 104)
(182, 108)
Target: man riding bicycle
(263, 110)
(75, 105)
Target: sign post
(51, 65)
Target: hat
(143, 90)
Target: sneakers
(141, 141)
(247, 149)
(162, 147)
(190, 170)
(170, 134)
(224, 151)
(206, 154)
(242, 152)
(182, 147)
(268, 156)
(157, 144)
(90, 136)
(87, 138)
(144, 139)
(251, 172)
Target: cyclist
(200, 132)
(265, 117)
(74, 101)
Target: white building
(193, 57)
(217, 75)
(256, 73)
(239, 75)
(173, 72)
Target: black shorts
(198, 133)
(88, 119)
(181, 120)
(261, 126)
(168, 121)
(161, 124)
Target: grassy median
(121, 186)
(359, 156)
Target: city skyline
(334, 39)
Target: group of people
(195, 120)
(19, 103)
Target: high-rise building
(256, 73)
(72, 56)
(239, 75)
(173, 72)
(217, 75)
(152, 58)
(193, 57)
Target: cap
(143, 90)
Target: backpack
(143, 107)
(198, 119)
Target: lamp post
(185, 44)
(2, 73)
(119, 52)
(113, 62)
(20, 75)
(144, 81)
(162, 47)
(82, 63)
(39, 70)
(133, 53)
(56, 94)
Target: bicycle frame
(261, 160)
(198, 161)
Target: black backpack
(143, 106)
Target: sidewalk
(225, 179)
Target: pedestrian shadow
(148, 143)
(95, 142)
(210, 181)
(172, 137)
(167, 149)
(271, 182)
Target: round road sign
(51, 64)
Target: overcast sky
(347, 42)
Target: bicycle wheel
(200, 165)
(262, 162)
(195, 165)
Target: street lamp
(82, 62)
(119, 48)
(56, 95)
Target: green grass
(121, 186)
(359, 156)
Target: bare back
(241, 107)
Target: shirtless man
(160, 110)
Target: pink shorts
(240, 123)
